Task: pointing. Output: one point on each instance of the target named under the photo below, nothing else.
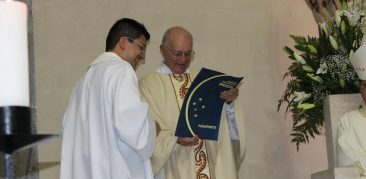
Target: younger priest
(106, 130)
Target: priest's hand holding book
(187, 141)
(230, 95)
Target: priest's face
(363, 89)
(177, 51)
(136, 50)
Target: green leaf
(342, 83)
(288, 51)
(298, 39)
(344, 5)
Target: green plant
(321, 67)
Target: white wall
(239, 37)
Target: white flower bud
(299, 58)
(337, 18)
(315, 78)
(307, 68)
(333, 42)
(323, 27)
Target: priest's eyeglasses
(180, 54)
(139, 44)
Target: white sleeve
(348, 149)
(233, 127)
(131, 121)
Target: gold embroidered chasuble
(178, 162)
(180, 83)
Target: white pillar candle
(14, 72)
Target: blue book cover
(202, 107)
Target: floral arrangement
(321, 65)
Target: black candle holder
(15, 130)
(16, 134)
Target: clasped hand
(230, 95)
(187, 141)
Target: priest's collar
(106, 56)
(165, 69)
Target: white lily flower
(337, 18)
(352, 18)
(301, 96)
(323, 68)
(347, 13)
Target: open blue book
(202, 107)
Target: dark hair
(125, 27)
